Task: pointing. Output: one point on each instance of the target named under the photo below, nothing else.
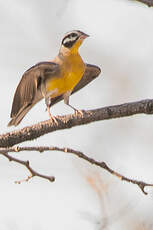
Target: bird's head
(72, 40)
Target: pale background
(121, 43)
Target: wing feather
(24, 93)
(28, 91)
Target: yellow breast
(71, 71)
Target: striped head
(73, 39)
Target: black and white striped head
(72, 37)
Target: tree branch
(4, 151)
(33, 173)
(72, 120)
(146, 2)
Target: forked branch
(33, 173)
(5, 151)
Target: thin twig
(33, 173)
(79, 154)
(72, 120)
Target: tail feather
(18, 118)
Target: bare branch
(33, 173)
(79, 154)
(147, 2)
(72, 120)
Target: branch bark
(72, 120)
(33, 172)
(146, 2)
(5, 151)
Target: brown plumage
(50, 80)
(28, 92)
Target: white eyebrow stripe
(68, 39)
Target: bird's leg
(47, 102)
(66, 101)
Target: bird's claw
(78, 112)
(51, 117)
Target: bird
(50, 79)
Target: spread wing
(28, 92)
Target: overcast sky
(121, 43)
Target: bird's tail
(18, 118)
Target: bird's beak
(83, 36)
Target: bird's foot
(51, 116)
(78, 112)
